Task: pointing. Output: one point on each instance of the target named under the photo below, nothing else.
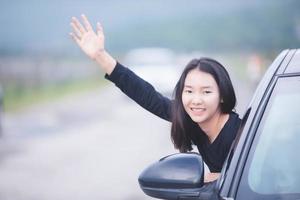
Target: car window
(273, 166)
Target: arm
(140, 91)
(210, 177)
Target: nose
(197, 99)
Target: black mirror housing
(174, 177)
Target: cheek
(214, 101)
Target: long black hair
(181, 122)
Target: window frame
(243, 190)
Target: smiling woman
(201, 100)
(203, 97)
(202, 111)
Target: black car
(264, 161)
(1, 108)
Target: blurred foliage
(222, 26)
(263, 27)
(18, 97)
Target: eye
(187, 91)
(207, 91)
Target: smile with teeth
(198, 110)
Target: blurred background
(67, 133)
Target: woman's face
(201, 96)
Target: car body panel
(233, 167)
(268, 173)
(255, 109)
(294, 65)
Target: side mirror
(176, 176)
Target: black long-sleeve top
(142, 92)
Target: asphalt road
(88, 146)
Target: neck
(214, 125)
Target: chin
(198, 120)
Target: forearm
(106, 61)
(209, 177)
(141, 91)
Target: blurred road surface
(88, 146)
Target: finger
(99, 29)
(76, 30)
(78, 25)
(86, 23)
(75, 38)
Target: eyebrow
(204, 87)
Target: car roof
(294, 64)
(289, 65)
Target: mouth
(197, 111)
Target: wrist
(105, 60)
(99, 55)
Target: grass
(17, 98)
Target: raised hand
(84, 35)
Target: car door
(272, 167)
